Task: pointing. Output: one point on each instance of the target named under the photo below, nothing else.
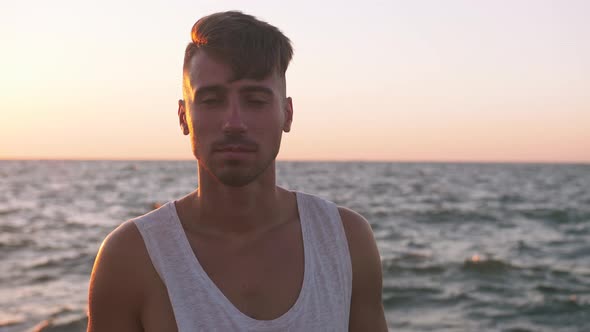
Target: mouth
(236, 148)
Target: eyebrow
(217, 88)
(257, 88)
(208, 89)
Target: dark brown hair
(253, 48)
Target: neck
(238, 210)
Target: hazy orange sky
(407, 81)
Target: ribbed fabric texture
(323, 303)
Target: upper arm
(115, 293)
(366, 308)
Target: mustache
(233, 141)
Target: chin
(236, 180)
(236, 172)
(239, 173)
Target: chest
(263, 277)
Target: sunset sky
(370, 80)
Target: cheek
(190, 121)
(267, 122)
(198, 124)
(195, 131)
(204, 131)
(269, 135)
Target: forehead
(207, 70)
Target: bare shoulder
(120, 251)
(361, 242)
(366, 308)
(124, 240)
(356, 227)
(118, 281)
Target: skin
(243, 228)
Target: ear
(182, 117)
(288, 115)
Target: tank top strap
(330, 256)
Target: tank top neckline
(196, 266)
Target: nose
(234, 120)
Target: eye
(257, 102)
(210, 98)
(211, 101)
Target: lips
(236, 152)
(236, 148)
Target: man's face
(235, 125)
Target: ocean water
(464, 247)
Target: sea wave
(464, 247)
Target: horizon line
(352, 160)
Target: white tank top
(323, 303)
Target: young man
(239, 253)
